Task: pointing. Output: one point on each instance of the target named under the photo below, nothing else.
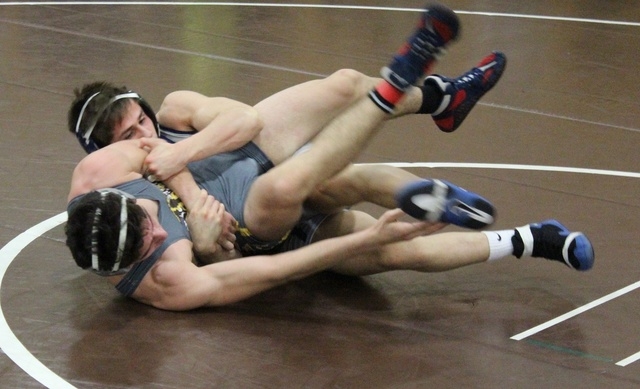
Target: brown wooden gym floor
(569, 99)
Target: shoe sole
(583, 256)
(441, 201)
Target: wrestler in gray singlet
(227, 177)
(172, 220)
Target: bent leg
(360, 183)
(391, 187)
(274, 203)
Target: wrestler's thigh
(295, 115)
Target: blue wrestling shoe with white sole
(461, 94)
(441, 201)
(551, 240)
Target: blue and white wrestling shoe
(551, 240)
(441, 201)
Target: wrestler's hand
(388, 229)
(227, 238)
(164, 160)
(205, 225)
(210, 224)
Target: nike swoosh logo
(499, 237)
(487, 66)
(473, 213)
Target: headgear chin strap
(84, 136)
(122, 237)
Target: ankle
(523, 242)
(431, 98)
(500, 244)
(386, 96)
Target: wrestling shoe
(551, 240)
(460, 95)
(441, 201)
(438, 26)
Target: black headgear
(84, 137)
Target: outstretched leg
(295, 115)
(446, 251)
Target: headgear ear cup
(146, 108)
(88, 144)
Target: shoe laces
(426, 46)
(472, 79)
(428, 42)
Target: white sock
(500, 245)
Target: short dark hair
(82, 237)
(110, 112)
(96, 110)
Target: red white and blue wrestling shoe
(437, 27)
(460, 95)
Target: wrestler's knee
(348, 84)
(280, 191)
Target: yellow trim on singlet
(255, 244)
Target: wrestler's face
(154, 234)
(135, 124)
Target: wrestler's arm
(212, 229)
(222, 124)
(122, 162)
(110, 166)
(204, 214)
(180, 285)
(125, 159)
